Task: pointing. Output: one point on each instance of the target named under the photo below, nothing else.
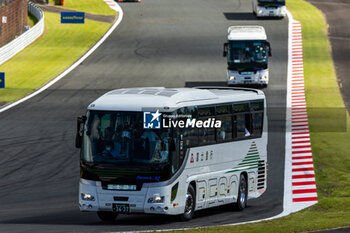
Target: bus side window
(234, 126)
(190, 135)
(243, 125)
(240, 125)
(206, 135)
(225, 132)
(257, 123)
(257, 116)
(248, 129)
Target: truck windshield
(272, 2)
(247, 54)
(117, 139)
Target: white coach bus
(247, 51)
(269, 8)
(172, 151)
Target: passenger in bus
(247, 133)
(161, 153)
(108, 149)
(222, 135)
(151, 138)
(109, 133)
(95, 136)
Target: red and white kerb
(303, 175)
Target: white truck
(247, 52)
(269, 8)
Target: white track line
(111, 4)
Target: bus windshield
(272, 2)
(117, 139)
(247, 54)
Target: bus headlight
(264, 77)
(156, 199)
(232, 78)
(260, 11)
(87, 197)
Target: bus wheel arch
(190, 202)
(242, 195)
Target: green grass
(31, 20)
(48, 56)
(330, 149)
(98, 7)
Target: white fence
(16, 45)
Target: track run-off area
(158, 43)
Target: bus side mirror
(80, 128)
(224, 54)
(269, 48)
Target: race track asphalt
(158, 43)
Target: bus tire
(190, 204)
(242, 193)
(107, 216)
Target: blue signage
(2, 80)
(151, 120)
(72, 17)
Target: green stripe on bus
(242, 169)
(255, 153)
(250, 160)
(252, 156)
(248, 163)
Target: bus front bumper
(251, 78)
(92, 197)
(271, 11)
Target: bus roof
(168, 99)
(246, 33)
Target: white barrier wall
(16, 45)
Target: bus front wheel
(107, 216)
(190, 204)
(242, 193)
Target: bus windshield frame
(117, 140)
(271, 2)
(247, 54)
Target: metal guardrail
(19, 43)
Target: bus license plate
(121, 208)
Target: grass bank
(330, 149)
(31, 20)
(48, 56)
(97, 7)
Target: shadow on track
(239, 16)
(219, 84)
(246, 16)
(210, 83)
(90, 219)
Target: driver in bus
(161, 153)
